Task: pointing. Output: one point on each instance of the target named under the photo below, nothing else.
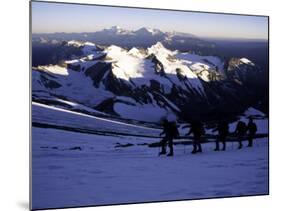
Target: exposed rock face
(158, 66)
(244, 71)
(97, 71)
(75, 67)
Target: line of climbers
(170, 132)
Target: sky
(59, 17)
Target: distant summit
(116, 30)
(148, 31)
(142, 37)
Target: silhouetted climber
(252, 129)
(240, 130)
(170, 131)
(163, 142)
(222, 129)
(196, 127)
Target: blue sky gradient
(56, 17)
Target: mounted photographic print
(134, 105)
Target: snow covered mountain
(143, 37)
(146, 84)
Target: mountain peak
(115, 28)
(158, 48)
(74, 43)
(158, 45)
(160, 51)
(147, 30)
(246, 61)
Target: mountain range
(147, 83)
(142, 37)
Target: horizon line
(170, 31)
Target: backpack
(176, 132)
(203, 132)
(252, 127)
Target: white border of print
(14, 86)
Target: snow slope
(57, 116)
(101, 174)
(171, 65)
(199, 63)
(74, 169)
(73, 85)
(148, 113)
